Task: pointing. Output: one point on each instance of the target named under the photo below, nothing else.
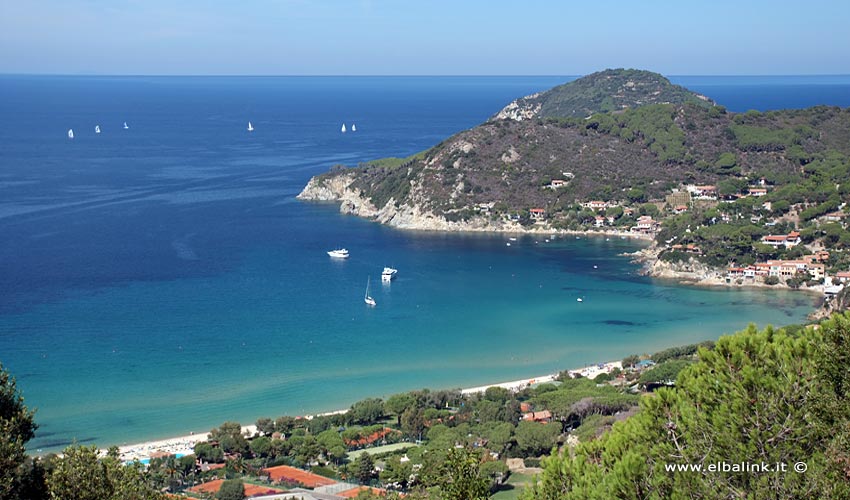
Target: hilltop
(605, 91)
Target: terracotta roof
(293, 475)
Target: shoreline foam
(184, 445)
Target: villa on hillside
(757, 192)
(689, 248)
(599, 221)
(557, 183)
(596, 205)
(645, 224)
(703, 192)
(537, 213)
(789, 240)
(542, 417)
(842, 277)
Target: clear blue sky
(424, 37)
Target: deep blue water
(163, 279)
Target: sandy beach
(184, 445)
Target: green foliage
(752, 138)
(611, 90)
(663, 373)
(231, 489)
(460, 478)
(685, 351)
(81, 475)
(367, 411)
(17, 426)
(365, 468)
(766, 396)
(534, 439)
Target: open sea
(163, 279)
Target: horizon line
(386, 75)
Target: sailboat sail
(353, 127)
(125, 126)
(250, 127)
(343, 128)
(70, 133)
(97, 129)
(369, 300)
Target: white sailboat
(343, 128)
(367, 299)
(250, 127)
(70, 133)
(353, 127)
(97, 129)
(126, 126)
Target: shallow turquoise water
(164, 279)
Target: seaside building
(645, 224)
(537, 213)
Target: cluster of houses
(812, 265)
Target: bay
(163, 278)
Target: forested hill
(601, 92)
(632, 156)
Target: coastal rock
(338, 188)
(520, 109)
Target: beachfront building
(599, 221)
(782, 269)
(789, 240)
(842, 277)
(645, 224)
(537, 213)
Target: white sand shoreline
(184, 445)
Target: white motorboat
(388, 274)
(339, 253)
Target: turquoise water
(164, 279)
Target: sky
(425, 37)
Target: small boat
(339, 253)
(343, 128)
(596, 267)
(512, 238)
(366, 298)
(353, 127)
(97, 129)
(388, 274)
(579, 299)
(126, 126)
(250, 127)
(508, 244)
(70, 133)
